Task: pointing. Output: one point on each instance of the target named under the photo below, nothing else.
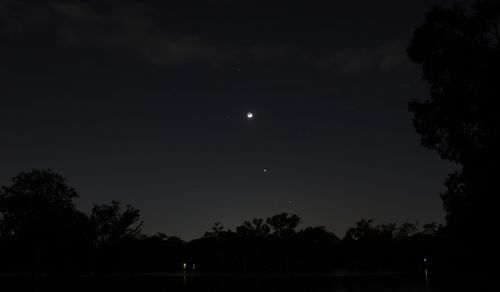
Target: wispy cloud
(385, 57)
(129, 26)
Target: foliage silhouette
(283, 225)
(43, 232)
(254, 228)
(39, 218)
(459, 50)
(111, 225)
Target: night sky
(146, 102)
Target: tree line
(41, 230)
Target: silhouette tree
(34, 196)
(317, 235)
(430, 229)
(460, 56)
(218, 231)
(283, 225)
(255, 228)
(406, 230)
(364, 230)
(114, 235)
(111, 225)
(39, 216)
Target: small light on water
(184, 266)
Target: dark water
(223, 283)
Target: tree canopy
(38, 201)
(110, 224)
(459, 51)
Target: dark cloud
(131, 26)
(155, 35)
(384, 57)
(79, 11)
(127, 26)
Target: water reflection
(221, 283)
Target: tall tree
(255, 228)
(111, 224)
(364, 230)
(283, 225)
(38, 214)
(459, 51)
